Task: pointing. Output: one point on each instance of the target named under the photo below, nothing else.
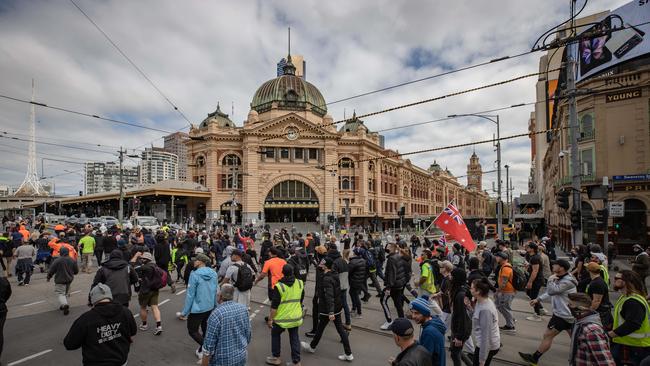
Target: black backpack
(519, 278)
(299, 267)
(244, 278)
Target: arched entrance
(291, 201)
(632, 228)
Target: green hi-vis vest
(605, 273)
(430, 284)
(641, 336)
(289, 314)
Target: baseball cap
(562, 263)
(402, 327)
(593, 267)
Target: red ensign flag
(451, 222)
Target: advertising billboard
(599, 53)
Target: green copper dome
(290, 92)
(218, 117)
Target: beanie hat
(421, 306)
(327, 262)
(99, 293)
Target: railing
(587, 135)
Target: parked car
(108, 220)
(146, 222)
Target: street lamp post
(508, 192)
(498, 146)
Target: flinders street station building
(290, 163)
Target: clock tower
(474, 173)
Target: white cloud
(201, 52)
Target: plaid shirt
(228, 335)
(593, 347)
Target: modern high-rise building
(175, 144)
(298, 61)
(157, 165)
(105, 177)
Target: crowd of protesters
(456, 297)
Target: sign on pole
(617, 209)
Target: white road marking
(163, 302)
(180, 292)
(29, 357)
(75, 292)
(34, 303)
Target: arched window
(231, 176)
(346, 163)
(345, 184)
(371, 166)
(231, 160)
(200, 161)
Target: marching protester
(432, 332)
(118, 275)
(272, 269)
(87, 249)
(411, 353)
(63, 270)
(104, 333)
(229, 332)
(286, 314)
(505, 292)
(598, 291)
(5, 294)
(24, 262)
(631, 329)
(200, 299)
(559, 286)
(485, 323)
(330, 309)
(394, 282)
(461, 323)
(535, 279)
(241, 276)
(150, 282)
(357, 277)
(589, 342)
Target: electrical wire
(23, 152)
(53, 144)
(398, 155)
(58, 139)
(131, 62)
(67, 110)
(320, 127)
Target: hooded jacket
(414, 355)
(461, 323)
(340, 266)
(118, 275)
(110, 244)
(432, 337)
(162, 254)
(588, 323)
(298, 260)
(329, 294)
(63, 270)
(103, 333)
(395, 276)
(5, 294)
(357, 272)
(201, 291)
(558, 290)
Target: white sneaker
(198, 354)
(307, 347)
(346, 357)
(534, 318)
(544, 311)
(386, 326)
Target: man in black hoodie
(340, 266)
(104, 332)
(330, 309)
(394, 282)
(118, 275)
(162, 255)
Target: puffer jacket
(201, 291)
(340, 266)
(395, 276)
(329, 294)
(357, 273)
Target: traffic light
(563, 199)
(259, 215)
(600, 217)
(576, 220)
(402, 211)
(136, 204)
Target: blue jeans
(294, 341)
(346, 307)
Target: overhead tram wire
(397, 155)
(67, 110)
(60, 140)
(59, 145)
(503, 82)
(132, 63)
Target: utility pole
(499, 204)
(508, 200)
(575, 131)
(606, 215)
(233, 219)
(120, 213)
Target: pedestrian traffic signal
(600, 218)
(563, 199)
(576, 219)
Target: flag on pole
(451, 222)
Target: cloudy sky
(203, 52)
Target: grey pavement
(35, 327)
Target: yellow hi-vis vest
(430, 284)
(641, 336)
(605, 273)
(289, 314)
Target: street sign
(617, 209)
